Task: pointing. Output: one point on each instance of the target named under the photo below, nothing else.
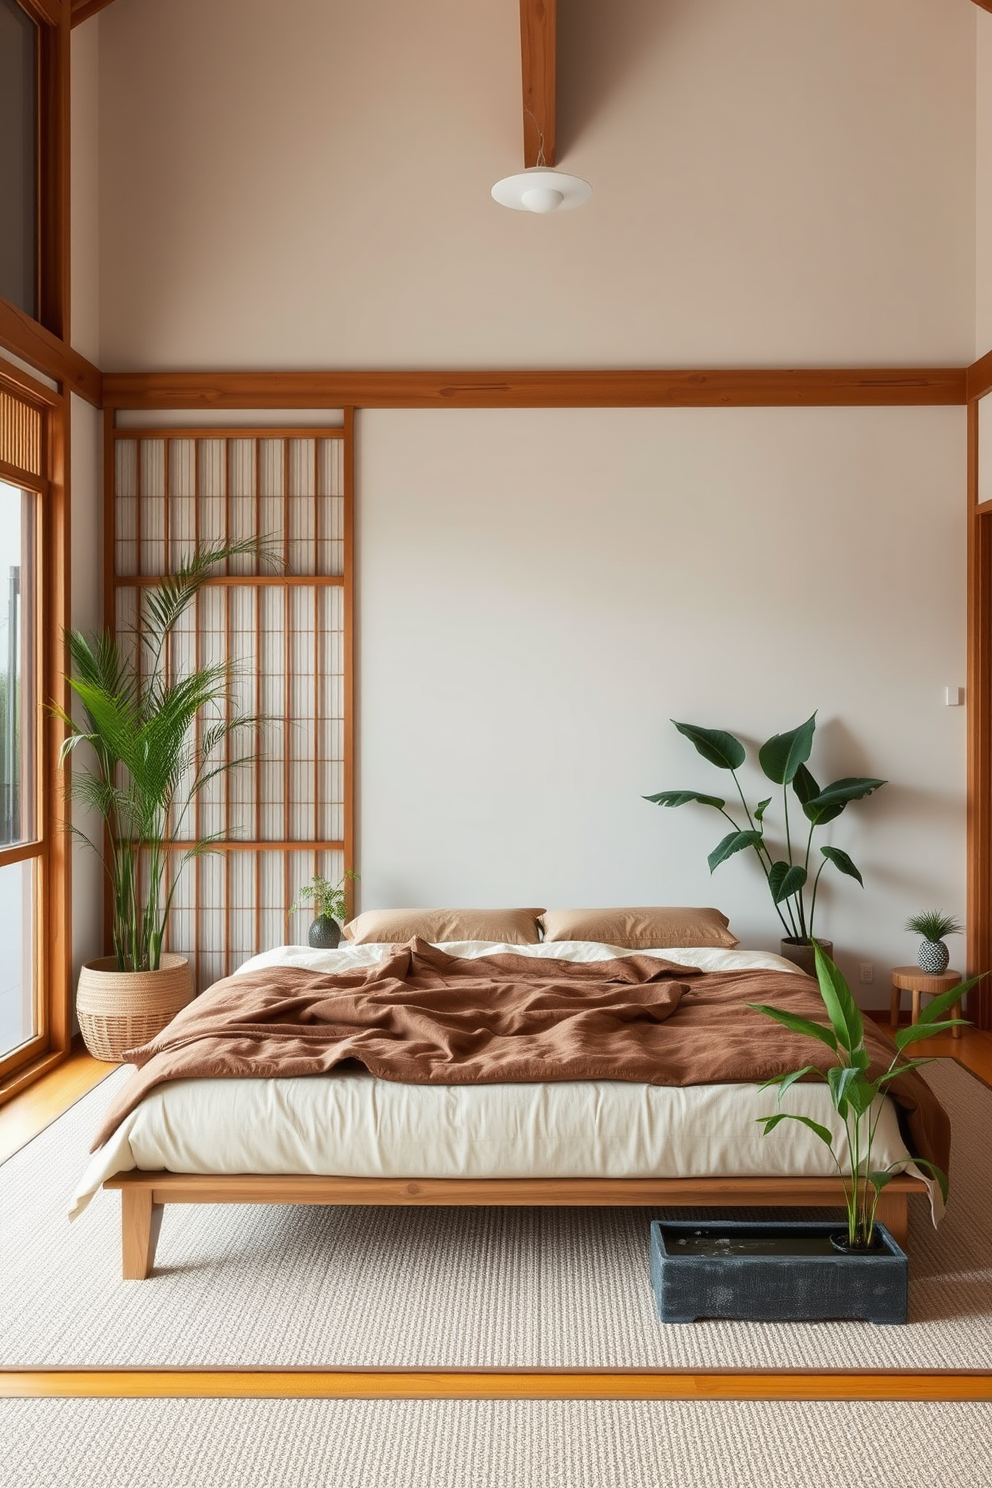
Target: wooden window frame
(52, 266)
(53, 905)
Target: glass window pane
(18, 999)
(18, 701)
(18, 157)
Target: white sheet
(350, 1123)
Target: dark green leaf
(770, 1123)
(761, 808)
(715, 745)
(842, 1010)
(804, 785)
(783, 754)
(796, 1024)
(841, 861)
(682, 798)
(784, 880)
(850, 788)
(878, 1179)
(820, 815)
(734, 842)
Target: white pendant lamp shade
(542, 190)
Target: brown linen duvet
(425, 1017)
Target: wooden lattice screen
(288, 813)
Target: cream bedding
(351, 1124)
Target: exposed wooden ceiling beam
(83, 9)
(31, 342)
(746, 388)
(537, 54)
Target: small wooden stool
(921, 983)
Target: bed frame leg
(893, 1212)
(141, 1220)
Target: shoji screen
(287, 814)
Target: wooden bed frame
(144, 1196)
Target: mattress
(351, 1124)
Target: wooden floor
(30, 1112)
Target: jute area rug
(341, 1287)
(487, 1444)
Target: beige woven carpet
(262, 1285)
(483, 1444)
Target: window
(19, 54)
(33, 968)
(20, 1015)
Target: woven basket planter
(118, 1010)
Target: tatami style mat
(351, 1287)
(492, 1444)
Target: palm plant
(934, 924)
(151, 761)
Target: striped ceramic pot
(933, 957)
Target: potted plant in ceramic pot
(933, 925)
(140, 761)
(788, 869)
(808, 1269)
(330, 907)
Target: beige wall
(778, 183)
(541, 592)
(983, 184)
(85, 188)
(307, 184)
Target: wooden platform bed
(145, 1194)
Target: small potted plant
(747, 1270)
(789, 867)
(329, 902)
(933, 925)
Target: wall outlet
(867, 971)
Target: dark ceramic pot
(786, 1271)
(802, 954)
(325, 934)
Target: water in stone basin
(704, 1244)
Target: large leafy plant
(783, 762)
(149, 760)
(856, 1098)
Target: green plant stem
(798, 896)
(764, 857)
(816, 884)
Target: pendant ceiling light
(541, 189)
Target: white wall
(542, 591)
(307, 184)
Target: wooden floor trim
(495, 1384)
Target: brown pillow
(640, 929)
(393, 926)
